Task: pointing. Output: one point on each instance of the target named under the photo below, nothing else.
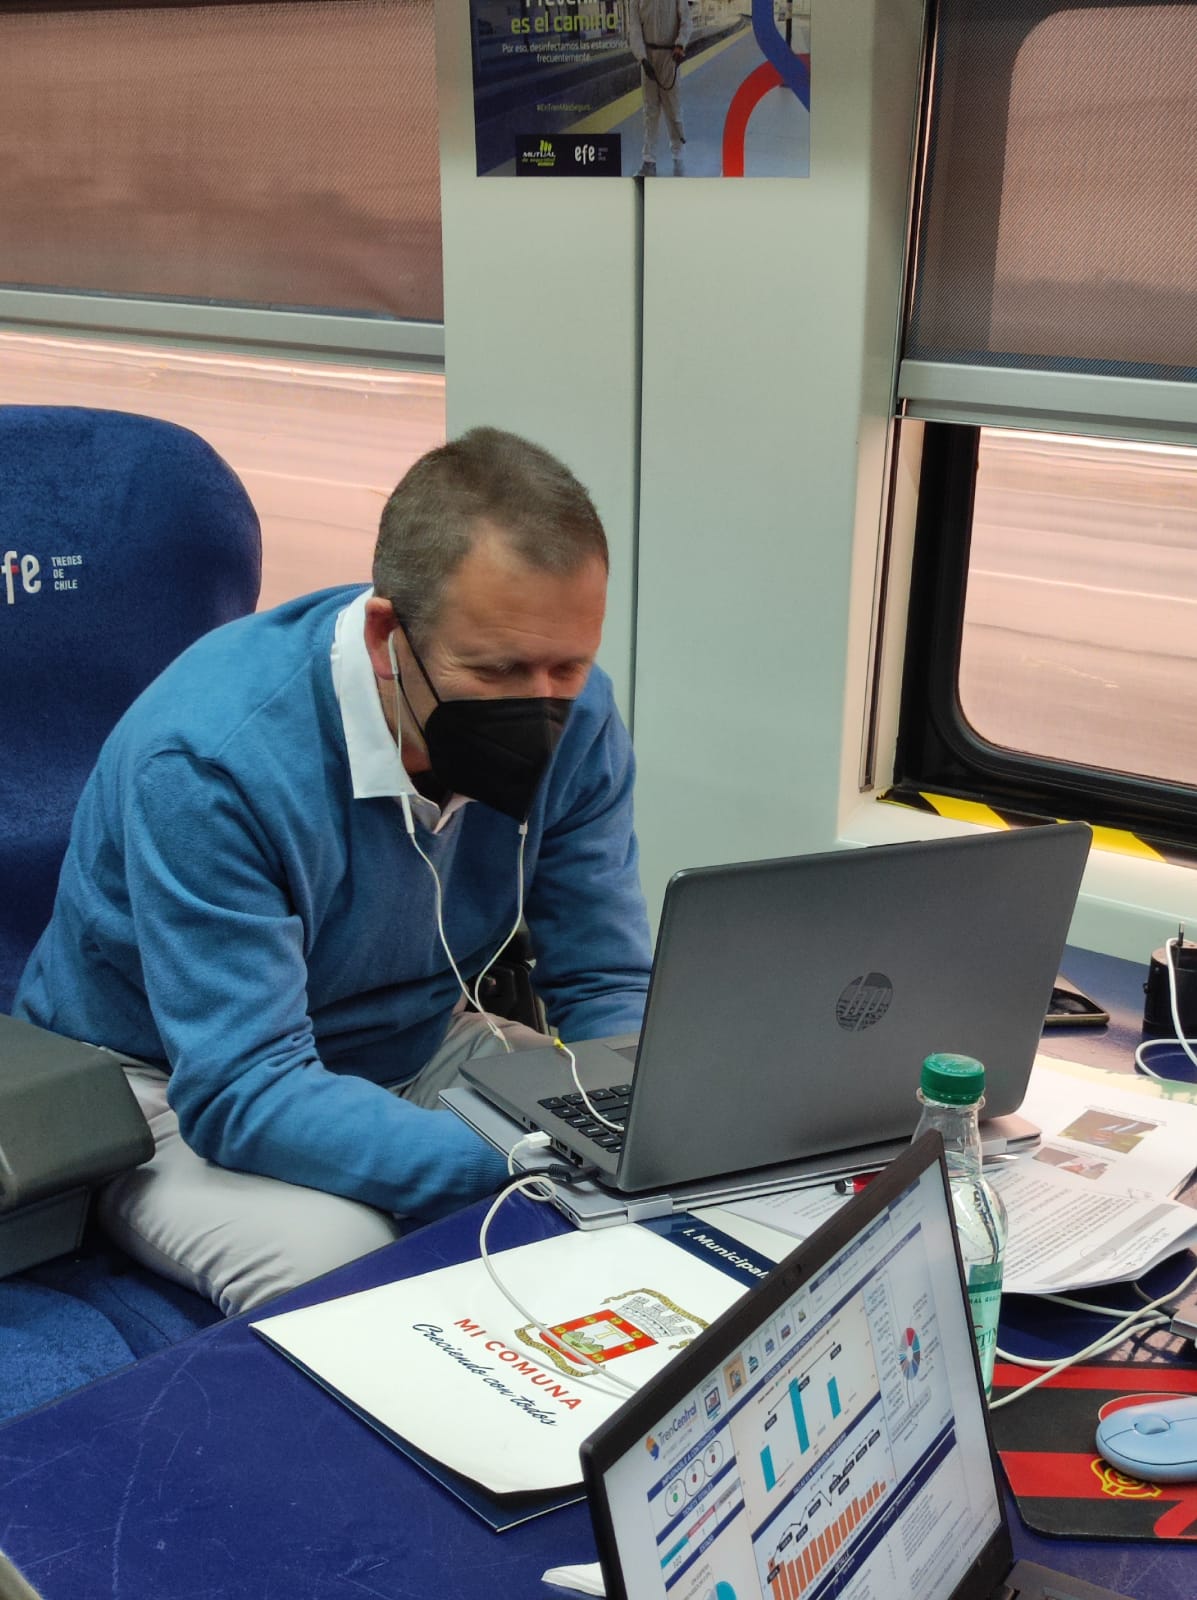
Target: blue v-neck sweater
(229, 911)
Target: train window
(1079, 640)
(281, 154)
(1052, 641)
(319, 446)
(1051, 347)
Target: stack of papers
(1092, 1204)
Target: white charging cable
(541, 1188)
(1143, 1319)
(530, 1142)
(1156, 1044)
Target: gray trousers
(657, 99)
(240, 1239)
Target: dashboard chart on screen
(839, 1450)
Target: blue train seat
(123, 538)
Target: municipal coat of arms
(636, 1319)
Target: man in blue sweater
(298, 831)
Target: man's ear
(380, 624)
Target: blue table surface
(216, 1469)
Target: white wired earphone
(537, 1187)
(1151, 1044)
(475, 998)
(409, 821)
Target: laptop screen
(838, 1448)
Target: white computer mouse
(1155, 1440)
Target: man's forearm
(339, 1133)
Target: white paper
(1091, 1204)
(1110, 1126)
(777, 1221)
(447, 1363)
(1067, 1232)
(586, 1580)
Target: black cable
(567, 1175)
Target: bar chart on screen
(792, 1424)
(799, 1557)
(813, 1460)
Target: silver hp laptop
(826, 1436)
(791, 1005)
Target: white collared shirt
(375, 764)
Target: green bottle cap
(954, 1080)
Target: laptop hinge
(660, 1205)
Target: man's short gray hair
(432, 519)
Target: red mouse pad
(1061, 1484)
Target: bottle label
(984, 1299)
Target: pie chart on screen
(909, 1355)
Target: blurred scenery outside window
(318, 446)
(1080, 620)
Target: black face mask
(494, 751)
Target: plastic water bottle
(952, 1092)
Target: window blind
(270, 154)
(1056, 265)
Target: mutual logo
(536, 155)
(653, 1448)
(26, 574)
(864, 1002)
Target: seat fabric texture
(123, 538)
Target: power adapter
(1157, 1008)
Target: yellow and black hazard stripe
(1121, 840)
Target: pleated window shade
(1058, 226)
(281, 155)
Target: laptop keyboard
(612, 1102)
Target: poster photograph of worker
(642, 88)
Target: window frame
(216, 324)
(937, 750)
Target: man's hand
(679, 52)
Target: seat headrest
(122, 539)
